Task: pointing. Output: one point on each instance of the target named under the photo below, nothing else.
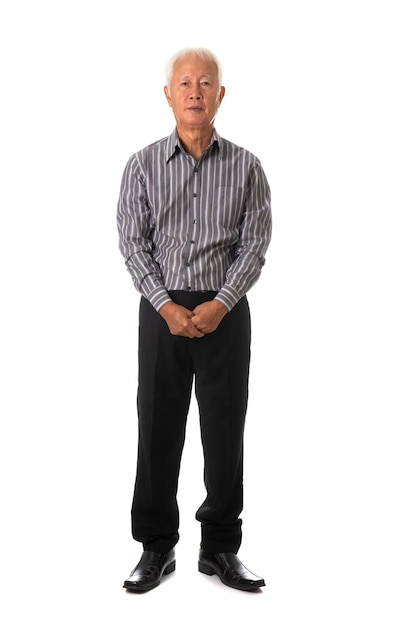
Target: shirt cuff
(158, 297)
(228, 296)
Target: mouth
(194, 108)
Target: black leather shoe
(149, 571)
(230, 570)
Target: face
(195, 93)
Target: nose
(195, 92)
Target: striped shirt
(194, 225)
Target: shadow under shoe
(149, 571)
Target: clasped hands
(204, 319)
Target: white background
(325, 93)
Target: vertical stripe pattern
(194, 225)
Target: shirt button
(192, 241)
(187, 264)
(189, 288)
(195, 195)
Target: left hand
(207, 316)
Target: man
(194, 222)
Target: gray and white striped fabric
(194, 225)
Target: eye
(205, 83)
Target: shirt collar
(173, 144)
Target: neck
(195, 141)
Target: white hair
(201, 53)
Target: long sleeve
(135, 235)
(254, 238)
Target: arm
(135, 235)
(135, 243)
(254, 239)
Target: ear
(167, 95)
(221, 95)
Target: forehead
(194, 66)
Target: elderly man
(194, 221)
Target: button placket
(192, 227)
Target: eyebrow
(201, 76)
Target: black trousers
(218, 363)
